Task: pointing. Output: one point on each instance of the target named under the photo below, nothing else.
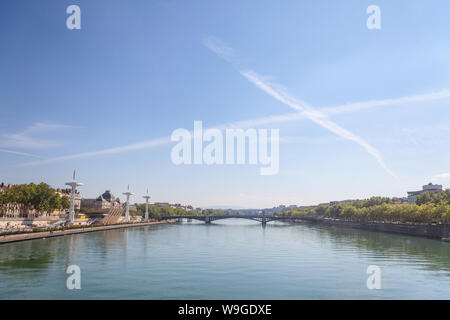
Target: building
(10, 209)
(173, 205)
(105, 201)
(399, 200)
(68, 192)
(4, 186)
(332, 203)
(412, 195)
(162, 204)
(179, 206)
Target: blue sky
(137, 71)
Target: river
(230, 259)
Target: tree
(433, 197)
(65, 202)
(39, 198)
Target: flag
(74, 175)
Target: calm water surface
(233, 259)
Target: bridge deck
(260, 218)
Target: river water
(230, 259)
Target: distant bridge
(260, 218)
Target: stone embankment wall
(26, 224)
(438, 231)
(58, 233)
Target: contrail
(219, 48)
(20, 153)
(279, 93)
(129, 147)
(344, 108)
(322, 112)
(303, 111)
(386, 102)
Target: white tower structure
(146, 197)
(74, 184)
(128, 194)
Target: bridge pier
(263, 218)
(207, 220)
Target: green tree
(65, 202)
(31, 197)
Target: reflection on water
(432, 253)
(230, 259)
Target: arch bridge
(260, 218)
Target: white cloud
(219, 47)
(20, 153)
(32, 137)
(442, 176)
(130, 147)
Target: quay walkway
(59, 233)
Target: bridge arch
(259, 218)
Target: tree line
(429, 207)
(31, 198)
(157, 212)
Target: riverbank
(435, 231)
(59, 233)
